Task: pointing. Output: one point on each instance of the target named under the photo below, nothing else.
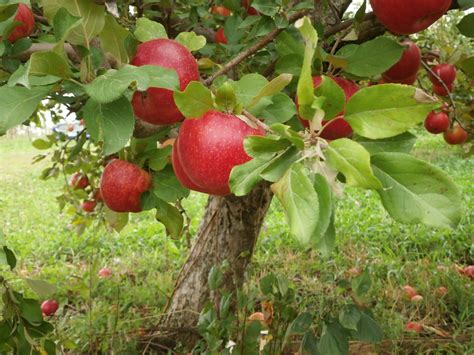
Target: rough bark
(228, 231)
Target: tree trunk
(228, 231)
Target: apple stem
(256, 121)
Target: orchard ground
(114, 312)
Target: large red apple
(446, 72)
(208, 148)
(156, 105)
(437, 122)
(456, 135)
(49, 307)
(220, 36)
(405, 70)
(122, 184)
(27, 19)
(337, 127)
(409, 16)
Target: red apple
(437, 122)
(407, 17)
(156, 105)
(220, 36)
(97, 195)
(88, 206)
(446, 72)
(121, 185)
(410, 292)
(220, 10)
(456, 135)
(49, 307)
(250, 10)
(405, 70)
(442, 291)
(414, 327)
(469, 271)
(79, 181)
(208, 148)
(105, 273)
(27, 19)
(441, 90)
(416, 298)
(337, 127)
(180, 173)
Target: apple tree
(240, 100)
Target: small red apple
(220, 36)
(105, 273)
(405, 70)
(446, 72)
(456, 135)
(469, 271)
(416, 298)
(27, 19)
(437, 122)
(121, 185)
(337, 127)
(250, 10)
(414, 327)
(442, 291)
(220, 10)
(79, 181)
(88, 206)
(97, 195)
(441, 90)
(156, 105)
(410, 292)
(207, 148)
(407, 17)
(49, 307)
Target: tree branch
(254, 48)
(42, 47)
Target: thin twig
(254, 48)
(256, 121)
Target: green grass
(145, 261)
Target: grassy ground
(112, 312)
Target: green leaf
(17, 104)
(194, 101)
(116, 221)
(333, 340)
(191, 41)
(374, 57)
(361, 284)
(167, 187)
(159, 158)
(244, 177)
(147, 30)
(171, 218)
(9, 257)
(280, 164)
(258, 146)
(368, 329)
(42, 288)
(305, 91)
(215, 277)
(287, 133)
(266, 7)
(111, 86)
(335, 98)
(281, 110)
(402, 143)
(248, 87)
(466, 26)
(352, 160)
(349, 317)
(41, 144)
(466, 4)
(383, 111)
(31, 311)
(323, 239)
(63, 22)
(49, 63)
(272, 88)
(111, 123)
(417, 192)
(300, 202)
(92, 15)
(225, 97)
(467, 66)
(112, 40)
